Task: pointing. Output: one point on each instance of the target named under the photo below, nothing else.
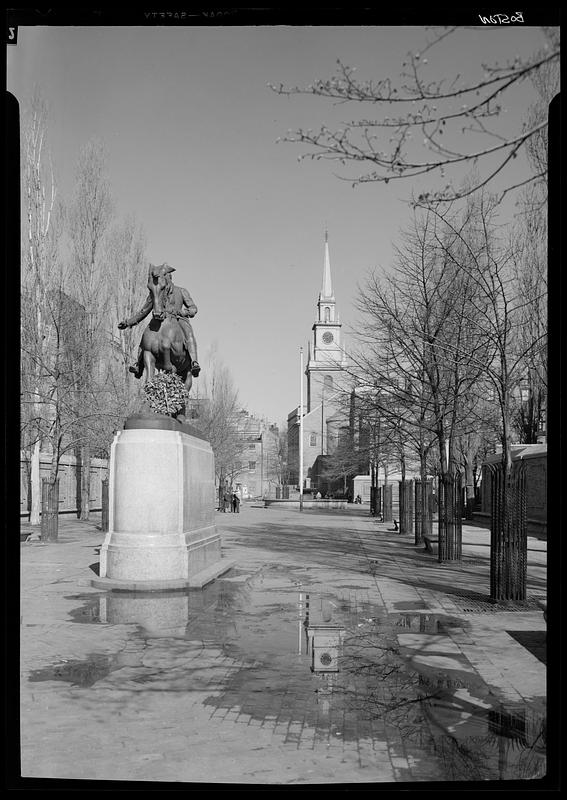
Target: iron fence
(450, 510)
(423, 509)
(406, 506)
(508, 532)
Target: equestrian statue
(168, 342)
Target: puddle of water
(498, 743)
(331, 660)
(78, 673)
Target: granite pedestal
(162, 532)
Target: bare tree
(499, 317)
(90, 215)
(417, 335)
(455, 121)
(44, 215)
(125, 273)
(424, 351)
(216, 404)
(125, 276)
(273, 457)
(500, 310)
(531, 281)
(281, 459)
(341, 465)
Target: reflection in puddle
(166, 615)
(322, 641)
(158, 614)
(483, 744)
(426, 623)
(333, 662)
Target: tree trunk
(387, 504)
(35, 486)
(373, 490)
(450, 525)
(418, 510)
(423, 505)
(221, 492)
(104, 515)
(49, 510)
(406, 506)
(85, 482)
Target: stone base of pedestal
(196, 581)
(162, 533)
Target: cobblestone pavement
(227, 684)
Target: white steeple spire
(327, 286)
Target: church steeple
(326, 356)
(326, 303)
(326, 292)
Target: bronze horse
(163, 344)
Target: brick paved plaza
(217, 686)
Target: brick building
(257, 471)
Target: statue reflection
(159, 614)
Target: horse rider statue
(177, 303)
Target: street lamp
(262, 463)
(301, 430)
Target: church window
(328, 382)
(251, 465)
(312, 439)
(327, 314)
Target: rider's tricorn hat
(155, 269)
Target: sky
(190, 128)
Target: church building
(324, 416)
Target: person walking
(236, 503)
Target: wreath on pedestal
(166, 394)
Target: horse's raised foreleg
(150, 364)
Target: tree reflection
(472, 739)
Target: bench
(429, 544)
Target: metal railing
(508, 532)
